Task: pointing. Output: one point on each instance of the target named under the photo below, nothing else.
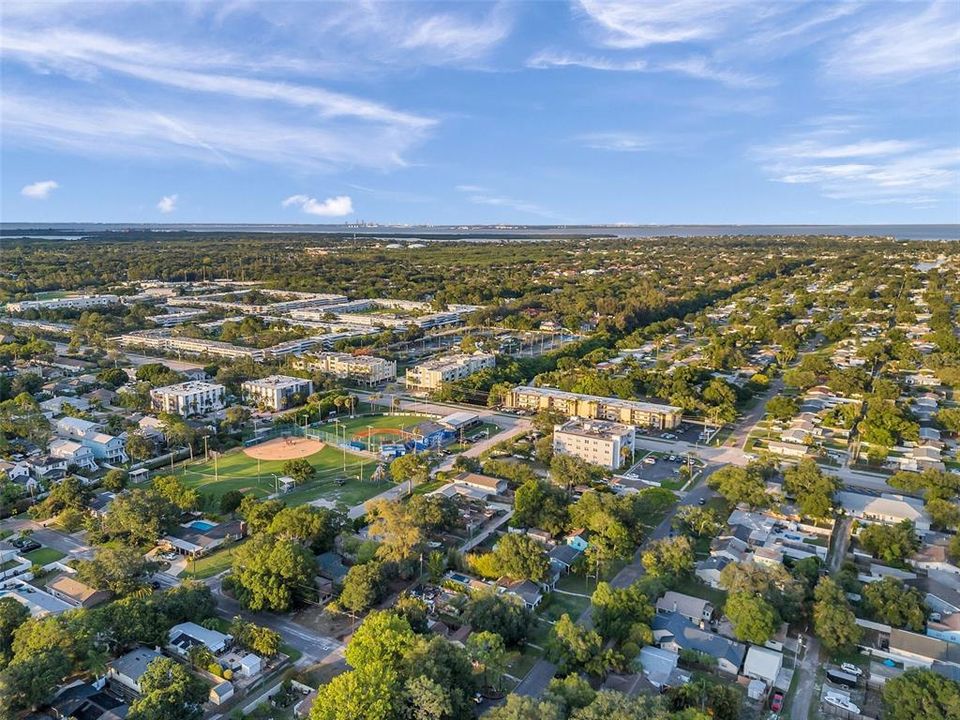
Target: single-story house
(39, 603)
(78, 594)
(915, 650)
(84, 701)
(221, 692)
(124, 673)
(660, 668)
(200, 536)
(577, 539)
(730, 547)
(695, 609)
(187, 635)
(709, 570)
(330, 565)
(889, 508)
(492, 485)
(563, 557)
(526, 590)
(763, 664)
(672, 631)
(934, 557)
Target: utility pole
(206, 452)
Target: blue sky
(540, 113)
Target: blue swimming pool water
(202, 525)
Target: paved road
(49, 537)
(806, 677)
(313, 646)
(537, 680)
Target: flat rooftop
(609, 401)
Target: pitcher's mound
(287, 448)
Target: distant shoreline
(488, 233)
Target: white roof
(763, 663)
(887, 505)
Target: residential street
(314, 647)
(537, 680)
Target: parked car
(776, 702)
(852, 669)
(650, 460)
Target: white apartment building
(594, 407)
(363, 369)
(109, 448)
(189, 398)
(277, 392)
(432, 374)
(607, 444)
(75, 302)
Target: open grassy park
(236, 470)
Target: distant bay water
(487, 233)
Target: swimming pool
(202, 525)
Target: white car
(650, 460)
(852, 669)
(841, 702)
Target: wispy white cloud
(39, 190)
(220, 135)
(167, 204)
(331, 207)
(695, 66)
(906, 41)
(630, 24)
(865, 169)
(90, 54)
(547, 59)
(618, 141)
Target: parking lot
(661, 470)
(686, 432)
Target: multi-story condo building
(593, 407)
(363, 369)
(432, 374)
(74, 302)
(608, 444)
(109, 448)
(163, 341)
(277, 392)
(188, 398)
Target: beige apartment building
(277, 392)
(599, 442)
(432, 374)
(594, 407)
(189, 398)
(362, 369)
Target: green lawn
(693, 586)
(556, 604)
(44, 555)
(212, 564)
(238, 471)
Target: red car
(776, 702)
